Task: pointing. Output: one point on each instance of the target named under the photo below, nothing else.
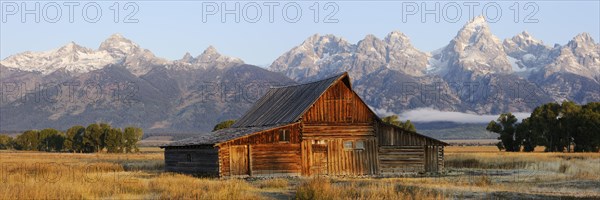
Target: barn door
(239, 160)
(319, 161)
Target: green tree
(6, 142)
(568, 122)
(410, 126)
(500, 146)
(92, 140)
(587, 134)
(114, 141)
(105, 128)
(131, 136)
(394, 120)
(544, 121)
(223, 125)
(505, 126)
(28, 140)
(50, 140)
(526, 137)
(74, 139)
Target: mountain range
(125, 84)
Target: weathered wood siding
(224, 161)
(275, 159)
(434, 159)
(401, 159)
(403, 151)
(262, 154)
(328, 157)
(268, 137)
(312, 131)
(339, 105)
(338, 115)
(201, 160)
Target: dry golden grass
(479, 149)
(471, 172)
(326, 188)
(273, 183)
(175, 186)
(39, 175)
(570, 163)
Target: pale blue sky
(172, 28)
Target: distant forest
(558, 127)
(97, 137)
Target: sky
(172, 28)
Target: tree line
(558, 127)
(93, 138)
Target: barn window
(189, 157)
(347, 145)
(360, 145)
(354, 145)
(284, 135)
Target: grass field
(473, 172)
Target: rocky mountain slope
(125, 84)
(475, 72)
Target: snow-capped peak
(71, 57)
(526, 39)
(396, 36)
(475, 29)
(187, 57)
(476, 23)
(582, 41)
(318, 43)
(77, 59)
(209, 58)
(523, 43)
(119, 46)
(475, 50)
(210, 51)
(71, 47)
(397, 39)
(584, 37)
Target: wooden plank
(249, 149)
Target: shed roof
(220, 136)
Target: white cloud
(432, 115)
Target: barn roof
(220, 136)
(282, 105)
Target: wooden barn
(317, 128)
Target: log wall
(262, 154)
(201, 160)
(403, 151)
(401, 159)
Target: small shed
(316, 128)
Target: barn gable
(283, 105)
(339, 104)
